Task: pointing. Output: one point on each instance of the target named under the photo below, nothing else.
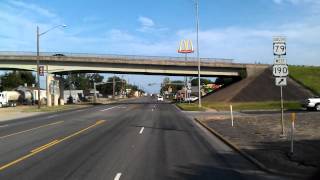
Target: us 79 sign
(280, 70)
(279, 49)
(279, 46)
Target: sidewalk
(11, 113)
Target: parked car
(160, 98)
(312, 103)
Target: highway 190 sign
(280, 70)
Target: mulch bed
(259, 135)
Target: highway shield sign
(280, 70)
(279, 46)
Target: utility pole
(38, 68)
(198, 56)
(38, 59)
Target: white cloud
(147, 25)
(146, 22)
(32, 7)
(293, 1)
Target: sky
(232, 29)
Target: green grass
(307, 76)
(189, 107)
(253, 105)
(291, 105)
(52, 109)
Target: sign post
(186, 47)
(280, 70)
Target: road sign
(280, 70)
(279, 46)
(280, 61)
(281, 81)
(41, 70)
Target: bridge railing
(115, 56)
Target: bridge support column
(49, 97)
(56, 100)
(56, 92)
(61, 87)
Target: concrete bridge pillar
(49, 97)
(61, 88)
(56, 92)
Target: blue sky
(240, 30)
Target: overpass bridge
(63, 63)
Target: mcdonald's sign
(186, 46)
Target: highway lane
(136, 139)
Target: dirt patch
(259, 135)
(259, 88)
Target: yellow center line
(45, 146)
(2, 137)
(48, 145)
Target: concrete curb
(246, 155)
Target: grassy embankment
(309, 77)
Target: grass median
(223, 106)
(189, 107)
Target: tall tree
(82, 81)
(12, 80)
(194, 82)
(107, 89)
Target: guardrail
(131, 57)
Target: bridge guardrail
(131, 57)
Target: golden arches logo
(186, 46)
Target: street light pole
(38, 66)
(198, 57)
(38, 59)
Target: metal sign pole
(280, 71)
(282, 119)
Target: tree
(94, 78)
(107, 89)
(194, 82)
(176, 85)
(82, 81)
(12, 80)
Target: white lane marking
(52, 116)
(108, 108)
(141, 131)
(4, 126)
(117, 176)
(80, 110)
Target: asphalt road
(136, 139)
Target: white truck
(312, 103)
(9, 98)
